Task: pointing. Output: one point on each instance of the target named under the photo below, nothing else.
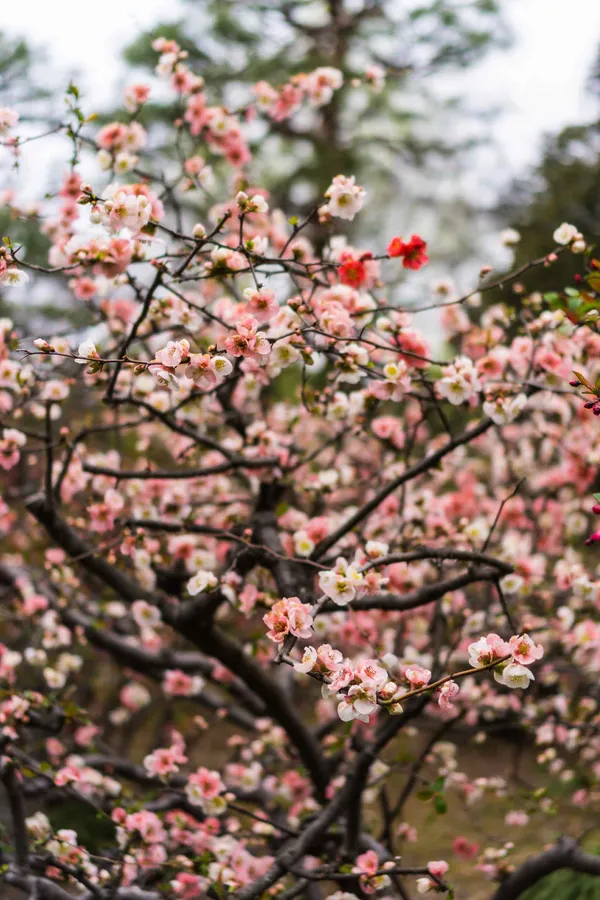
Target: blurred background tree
(563, 187)
(407, 141)
(23, 87)
(20, 76)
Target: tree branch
(12, 786)
(566, 854)
(412, 472)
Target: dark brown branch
(12, 786)
(566, 854)
(442, 553)
(420, 597)
(412, 472)
(133, 332)
(387, 731)
(348, 795)
(211, 641)
(153, 664)
(67, 538)
(238, 463)
(281, 707)
(173, 425)
(38, 888)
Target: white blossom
(201, 581)
(565, 233)
(346, 198)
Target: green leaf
(583, 380)
(593, 279)
(433, 373)
(440, 805)
(438, 784)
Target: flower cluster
(289, 616)
(514, 657)
(412, 252)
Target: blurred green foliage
(566, 885)
(22, 88)
(563, 187)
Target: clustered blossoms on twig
(366, 684)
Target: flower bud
(387, 692)
(41, 344)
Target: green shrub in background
(566, 885)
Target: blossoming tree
(250, 490)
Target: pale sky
(539, 82)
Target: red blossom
(412, 252)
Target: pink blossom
(368, 671)
(448, 692)
(516, 818)
(438, 867)
(262, 304)
(524, 650)
(464, 848)
(417, 676)
(187, 886)
(288, 616)
(486, 650)
(204, 784)
(367, 863)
